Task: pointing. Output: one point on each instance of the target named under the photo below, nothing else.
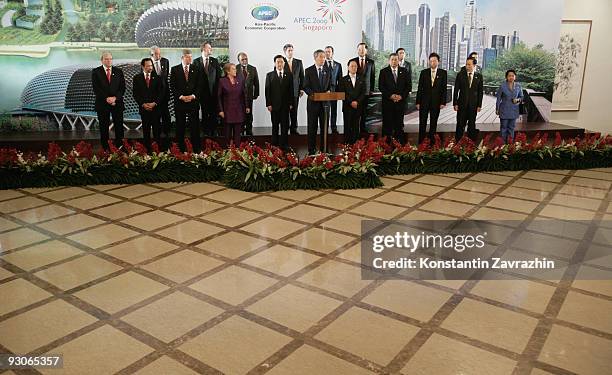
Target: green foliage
(535, 68)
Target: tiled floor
(196, 278)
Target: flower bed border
(252, 168)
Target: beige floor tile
(346, 223)
(120, 210)
(140, 249)
(235, 345)
(587, 311)
(113, 296)
(320, 240)
(582, 191)
(589, 182)
(66, 193)
(38, 214)
(545, 244)
(7, 225)
(512, 204)
(421, 189)
(353, 253)
(172, 316)
(294, 307)
(4, 274)
(566, 213)
(19, 237)
(78, 271)
(195, 207)
(478, 187)
(307, 360)
(424, 215)
(91, 201)
(522, 193)
(106, 187)
(405, 177)
(281, 260)
(10, 194)
(105, 350)
(70, 224)
(423, 303)
(535, 185)
(491, 178)
(577, 202)
(103, 235)
(594, 174)
(436, 180)
(378, 338)
(230, 196)
(297, 195)
(190, 231)
(543, 176)
(198, 188)
(447, 207)
(19, 293)
(464, 196)
(232, 244)
(25, 332)
(486, 213)
(182, 266)
(165, 365)
(497, 326)
(163, 198)
(525, 294)
(507, 173)
(133, 191)
(336, 277)
(231, 216)
(168, 185)
(335, 201)
(362, 193)
(389, 183)
(378, 210)
(20, 204)
(272, 227)
(444, 356)
(153, 220)
(402, 199)
(578, 352)
(233, 285)
(266, 204)
(39, 190)
(537, 371)
(306, 213)
(41, 255)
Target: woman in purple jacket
(232, 104)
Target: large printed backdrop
(48, 46)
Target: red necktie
(108, 75)
(148, 80)
(186, 72)
(362, 63)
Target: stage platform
(38, 141)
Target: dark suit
(352, 115)
(315, 110)
(336, 74)
(368, 74)
(393, 112)
(251, 87)
(279, 96)
(187, 113)
(153, 93)
(468, 99)
(297, 71)
(408, 67)
(430, 98)
(209, 85)
(164, 107)
(103, 89)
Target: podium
(327, 97)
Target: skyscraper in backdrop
(423, 31)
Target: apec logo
(264, 13)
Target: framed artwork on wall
(571, 64)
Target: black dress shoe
(249, 133)
(335, 131)
(294, 132)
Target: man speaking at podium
(317, 79)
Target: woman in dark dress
(232, 104)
